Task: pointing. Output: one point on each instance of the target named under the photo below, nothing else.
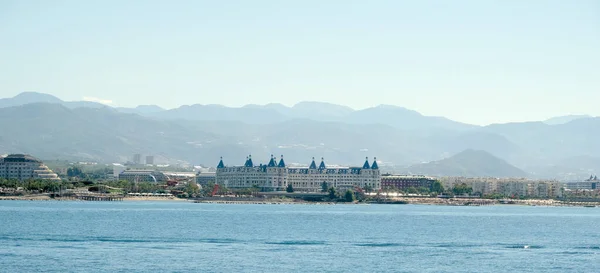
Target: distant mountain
(199, 134)
(34, 97)
(28, 97)
(54, 131)
(271, 113)
(542, 144)
(568, 169)
(141, 109)
(470, 163)
(565, 119)
(398, 117)
(320, 111)
(259, 114)
(404, 118)
(214, 112)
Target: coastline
(125, 199)
(277, 201)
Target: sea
(70, 236)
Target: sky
(478, 62)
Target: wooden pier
(99, 198)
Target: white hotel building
(276, 176)
(23, 167)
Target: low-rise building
(143, 176)
(592, 183)
(403, 182)
(515, 187)
(204, 178)
(23, 167)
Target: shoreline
(124, 199)
(408, 201)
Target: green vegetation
(324, 186)
(35, 185)
(289, 188)
(192, 189)
(74, 172)
(349, 196)
(437, 187)
(461, 189)
(332, 193)
(94, 172)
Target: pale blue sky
(473, 61)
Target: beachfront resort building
(203, 178)
(403, 182)
(276, 176)
(593, 183)
(24, 167)
(517, 187)
(143, 176)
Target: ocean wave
(119, 240)
(576, 253)
(524, 247)
(588, 247)
(297, 243)
(380, 245)
(456, 245)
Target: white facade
(118, 169)
(506, 186)
(277, 176)
(23, 167)
(143, 176)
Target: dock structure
(100, 198)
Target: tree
(411, 190)
(289, 188)
(255, 189)
(52, 187)
(332, 193)
(368, 188)
(324, 186)
(208, 188)
(192, 188)
(423, 190)
(461, 189)
(349, 196)
(437, 187)
(75, 171)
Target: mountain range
(469, 163)
(50, 128)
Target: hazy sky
(473, 61)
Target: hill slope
(471, 163)
(564, 119)
(54, 131)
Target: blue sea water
(186, 237)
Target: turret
(272, 162)
(322, 165)
(249, 161)
(281, 163)
(366, 165)
(313, 165)
(374, 166)
(221, 165)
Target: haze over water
(187, 237)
